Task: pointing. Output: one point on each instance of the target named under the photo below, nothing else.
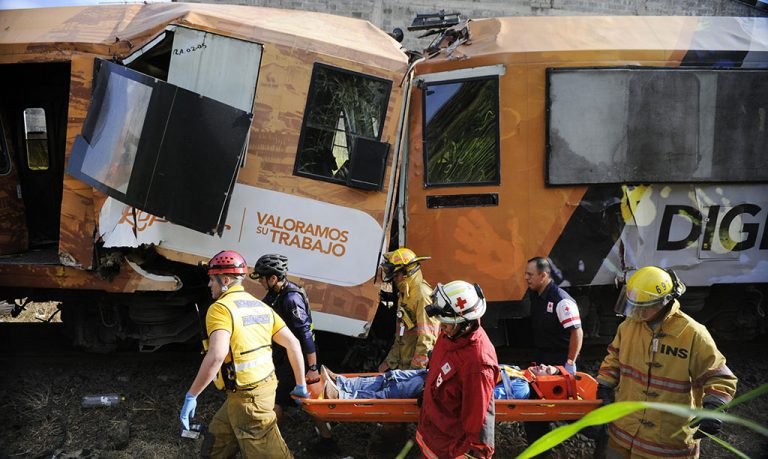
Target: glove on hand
(188, 409)
(301, 392)
(708, 425)
(570, 368)
(607, 394)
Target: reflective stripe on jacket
(252, 324)
(678, 363)
(419, 331)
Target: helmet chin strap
(409, 272)
(463, 328)
(222, 286)
(277, 287)
(661, 313)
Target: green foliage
(614, 411)
(342, 103)
(359, 100)
(462, 136)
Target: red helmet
(227, 262)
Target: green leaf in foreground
(610, 413)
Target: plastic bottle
(93, 401)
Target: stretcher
(582, 402)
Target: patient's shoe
(331, 375)
(331, 390)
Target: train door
(33, 110)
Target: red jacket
(457, 415)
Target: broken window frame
(493, 160)
(174, 174)
(156, 58)
(340, 174)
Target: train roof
(534, 37)
(118, 30)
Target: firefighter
(239, 360)
(292, 305)
(415, 332)
(660, 354)
(458, 413)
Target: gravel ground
(41, 413)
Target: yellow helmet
(402, 259)
(648, 288)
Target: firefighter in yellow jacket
(415, 332)
(660, 354)
(239, 360)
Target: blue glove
(570, 368)
(301, 392)
(188, 410)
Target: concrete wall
(399, 13)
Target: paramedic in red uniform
(458, 413)
(557, 333)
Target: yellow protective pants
(247, 422)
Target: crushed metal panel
(160, 148)
(222, 68)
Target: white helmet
(457, 302)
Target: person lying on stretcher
(399, 384)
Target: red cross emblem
(567, 309)
(460, 302)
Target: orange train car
(604, 143)
(138, 140)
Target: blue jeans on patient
(409, 384)
(391, 384)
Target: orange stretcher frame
(406, 410)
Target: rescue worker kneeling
(457, 414)
(239, 360)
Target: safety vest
(250, 346)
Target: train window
(118, 133)
(36, 138)
(461, 132)
(148, 143)
(651, 125)
(342, 107)
(5, 159)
